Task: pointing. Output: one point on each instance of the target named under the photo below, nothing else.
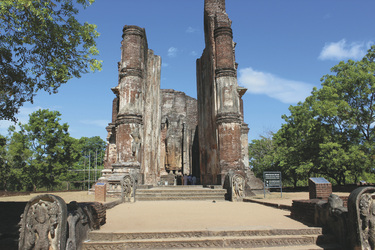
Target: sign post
(272, 179)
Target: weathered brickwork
(223, 140)
(155, 132)
(319, 190)
(152, 130)
(100, 192)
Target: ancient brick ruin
(220, 106)
(156, 133)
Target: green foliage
(4, 166)
(92, 151)
(51, 146)
(42, 45)
(262, 155)
(41, 155)
(18, 158)
(331, 133)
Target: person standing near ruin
(185, 179)
(194, 180)
(189, 180)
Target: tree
(93, 146)
(52, 151)
(18, 159)
(331, 133)
(262, 155)
(42, 45)
(4, 166)
(346, 103)
(91, 150)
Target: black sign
(272, 179)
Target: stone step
(179, 188)
(175, 187)
(159, 193)
(151, 191)
(182, 198)
(113, 236)
(208, 242)
(180, 193)
(304, 247)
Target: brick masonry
(319, 190)
(222, 131)
(100, 192)
(156, 131)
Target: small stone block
(100, 192)
(319, 188)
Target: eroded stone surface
(223, 134)
(361, 223)
(156, 132)
(43, 223)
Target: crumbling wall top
(214, 5)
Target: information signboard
(319, 180)
(272, 179)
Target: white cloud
(342, 50)
(191, 30)
(284, 90)
(193, 53)
(172, 52)
(99, 123)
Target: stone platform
(203, 224)
(188, 192)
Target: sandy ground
(79, 196)
(149, 216)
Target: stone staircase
(311, 238)
(189, 192)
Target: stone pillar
(150, 166)
(129, 123)
(244, 132)
(229, 118)
(111, 150)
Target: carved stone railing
(49, 223)
(235, 185)
(361, 218)
(128, 187)
(353, 226)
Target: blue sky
(283, 49)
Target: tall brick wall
(152, 130)
(157, 131)
(220, 119)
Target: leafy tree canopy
(42, 45)
(331, 133)
(262, 155)
(48, 146)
